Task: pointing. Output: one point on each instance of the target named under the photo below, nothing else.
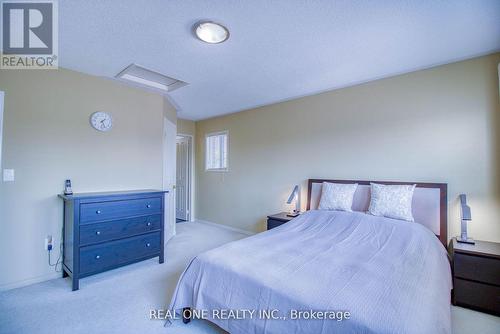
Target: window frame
(217, 133)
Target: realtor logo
(29, 35)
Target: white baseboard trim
(47, 277)
(29, 281)
(227, 227)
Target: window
(216, 145)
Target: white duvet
(392, 276)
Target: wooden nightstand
(476, 275)
(277, 220)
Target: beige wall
(169, 111)
(436, 125)
(186, 127)
(47, 139)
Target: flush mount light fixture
(211, 32)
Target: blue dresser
(103, 231)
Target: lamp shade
(465, 209)
(293, 195)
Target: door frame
(191, 180)
(2, 101)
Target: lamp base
(293, 214)
(469, 241)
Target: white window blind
(216, 151)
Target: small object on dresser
(277, 220)
(67, 188)
(294, 196)
(476, 275)
(465, 216)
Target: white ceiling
(278, 50)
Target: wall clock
(101, 121)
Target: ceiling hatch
(144, 77)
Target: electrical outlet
(49, 242)
(8, 175)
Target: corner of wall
(169, 110)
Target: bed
(366, 274)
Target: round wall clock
(101, 121)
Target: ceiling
(278, 50)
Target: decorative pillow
(392, 201)
(337, 196)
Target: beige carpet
(119, 301)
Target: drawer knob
(148, 244)
(98, 257)
(98, 232)
(148, 224)
(98, 211)
(148, 206)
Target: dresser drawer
(477, 268)
(100, 257)
(117, 229)
(272, 223)
(92, 212)
(483, 297)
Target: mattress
(373, 274)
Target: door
(182, 178)
(169, 165)
(1, 123)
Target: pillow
(392, 201)
(337, 196)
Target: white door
(1, 124)
(169, 166)
(182, 181)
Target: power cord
(58, 262)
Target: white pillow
(392, 201)
(337, 196)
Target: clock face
(101, 121)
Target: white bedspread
(392, 276)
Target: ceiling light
(211, 32)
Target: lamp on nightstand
(466, 216)
(294, 196)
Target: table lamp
(465, 216)
(294, 196)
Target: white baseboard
(230, 228)
(38, 279)
(29, 281)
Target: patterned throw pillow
(337, 196)
(392, 201)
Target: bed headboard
(429, 206)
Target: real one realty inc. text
(241, 314)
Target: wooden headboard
(429, 206)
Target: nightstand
(277, 220)
(476, 275)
